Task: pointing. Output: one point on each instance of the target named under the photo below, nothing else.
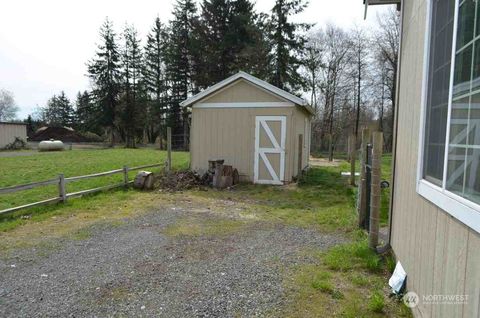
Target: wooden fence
(62, 182)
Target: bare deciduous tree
(337, 50)
(388, 42)
(8, 108)
(360, 59)
(313, 64)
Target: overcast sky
(45, 44)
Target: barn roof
(252, 79)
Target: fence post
(362, 188)
(169, 149)
(62, 193)
(352, 146)
(375, 197)
(125, 175)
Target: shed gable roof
(242, 91)
(249, 78)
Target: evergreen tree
(30, 126)
(104, 72)
(87, 113)
(131, 86)
(245, 38)
(231, 36)
(213, 32)
(288, 44)
(155, 81)
(59, 111)
(179, 63)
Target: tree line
(348, 74)
(137, 89)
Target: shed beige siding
(440, 254)
(229, 133)
(242, 91)
(8, 132)
(302, 127)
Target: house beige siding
(440, 254)
(8, 132)
(229, 133)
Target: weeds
(377, 302)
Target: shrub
(90, 136)
(17, 144)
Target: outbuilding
(11, 130)
(257, 128)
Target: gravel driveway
(135, 269)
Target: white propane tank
(50, 145)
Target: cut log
(225, 182)
(227, 170)
(235, 177)
(143, 180)
(217, 177)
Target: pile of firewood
(179, 180)
(219, 176)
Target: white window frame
(460, 208)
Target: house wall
(229, 133)
(8, 132)
(440, 254)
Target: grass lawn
(47, 165)
(386, 175)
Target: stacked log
(224, 176)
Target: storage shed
(10, 130)
(257, 128)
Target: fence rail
(62, 182)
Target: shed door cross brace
(261, 123)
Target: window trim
(460, 208)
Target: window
(451, 145)
(441, 35)
(463, 174)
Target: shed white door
(269, 161)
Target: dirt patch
(322, 162)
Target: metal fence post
(375, 198)
(62, 192)
(362, 189)
(169, 149)
(125, 175)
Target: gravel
(136, 270)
